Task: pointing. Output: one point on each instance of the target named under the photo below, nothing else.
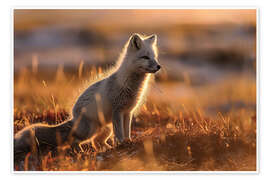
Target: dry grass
(212, 127)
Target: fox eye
(145, 57)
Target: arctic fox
(111, 100)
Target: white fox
(111, 100)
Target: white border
(258, 67)
(258, 113)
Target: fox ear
(136, 41)
(152, 39)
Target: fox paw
(123, 143)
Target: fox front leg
(118, 125)
(127, 126)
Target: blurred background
(197, 48)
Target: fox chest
(125, 99)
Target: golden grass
(212, 127)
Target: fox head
(142, 54)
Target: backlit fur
(111, 100)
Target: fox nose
(158, 67)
